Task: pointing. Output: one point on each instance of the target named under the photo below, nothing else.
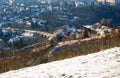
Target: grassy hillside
(30, 58)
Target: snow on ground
(104, 64)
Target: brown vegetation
(92, 46)
(30, 58)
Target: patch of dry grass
(29, 58)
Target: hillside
(57, 51)
(104, 64)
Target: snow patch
(104, 64)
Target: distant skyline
(25, 1)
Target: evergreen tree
(85, 33)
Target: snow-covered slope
(104, 64)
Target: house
(100, 31)
(28, 23)
(63, 4)
(34, 20)
(43, 10)
(14, 41)
(19, 21)
(69, 30)
(6, 32)
(42, 22)
(49, 8)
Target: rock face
(104, 64)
